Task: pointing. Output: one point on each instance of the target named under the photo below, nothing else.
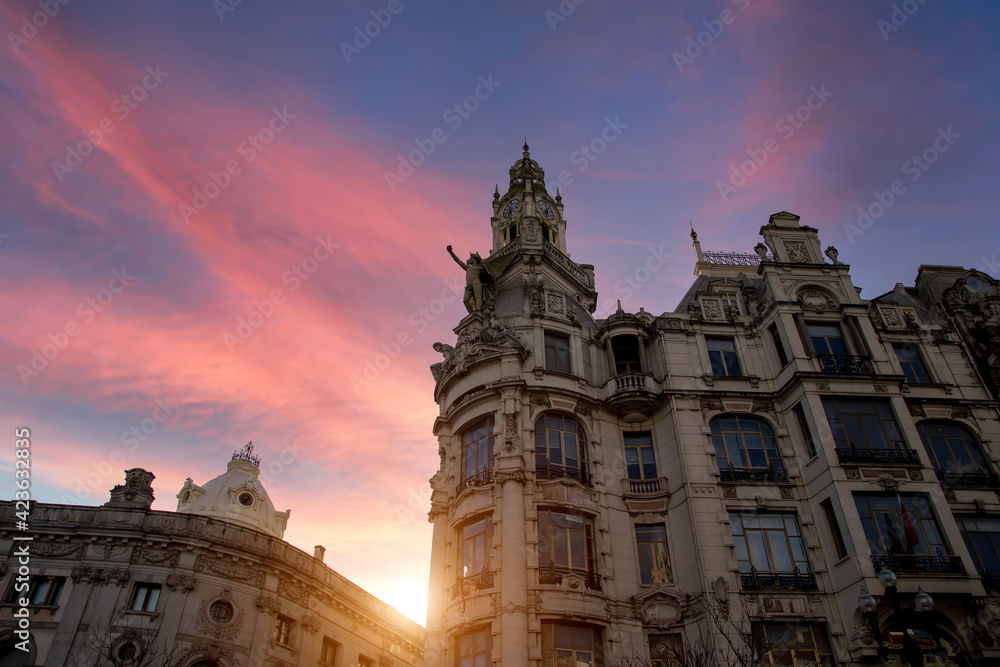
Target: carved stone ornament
(297, 594)
(227, 631)
(532, 232)
(540, 400)
(556, 303)
(814, 299)
(310, 623)
(863, 632)
(534, 291)
(135, 493)
(205, 650)
(710, 405)
(916, 411)
(180, 582)
(268, 604)
(502, 476)
(729, 492)
(712, 310)
(97, 576)
(852, 473)
(888, 482)
(230, 570)
(961, 413)
(797, 252)
(832, 253)
(762, 405)
(168, 557)
(53, 550)
(511, 440)
(891, 317)
(823, 386)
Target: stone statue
(438, 369)
(478, 281)
(832, 253)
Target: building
(776, 472)
(210, 585)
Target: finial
(619, 311)
(558, 196)
(246, 454)
(496, 192)
(526, 144)
(694, 234)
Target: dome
(236, 496)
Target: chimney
(319, 551)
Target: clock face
(509, 209)
(546, 210)
(978, 285)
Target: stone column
(513, 608)
(433, 639)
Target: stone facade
(726, 480)
(205, 586)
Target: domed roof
(236, 496)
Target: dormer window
(730, 302)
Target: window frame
(990, 577)
(803, 423)
(487, 548)
(54, 585)
(832, 407)
(826, 338)
(978, 461)
(833, 524)
(913, 367)
(365, 661)
(730, 301)
(284, 630)
(486, 652)
(551, 648)
(640, 450)
(760, 631)
(330, 644)
(483, 473)
(628, 366)
(725, 359)
(779, 345)
(147, 590)
(774, 466)
(923, 518)
(552, 340)
(582, 563)
(648, 576)
(799, 562)
(551, 461)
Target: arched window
(746, 450)
(956, 455)
(477, 454)
(560, 449)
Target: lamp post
(923, 607)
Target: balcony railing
(897, 454)
(983, 478)
(477, 581)
(755, 580)
(845, 364)
(768, 474)
(481, 477)
(919, 563)
(630, 382)
(645, 487)
(553, 574)
(552, 471)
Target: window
(220, 611)
(654, 562)
(865, 431)
(639, 461)
(955, 454)
(982, 537)
(666, 651)
(827, 339)
(571, 645)
(477, 544)
(366, 662)
(557, 352)
(909, 359)
(778, 345)
(807, 438)
(792, 643)
(145, 597)
(283, 630)
(722, 356)
(627, 355)
(330, 651)
(560, 449)
(474, 648)
(730, 302)
(834, 525)
(746, 450)
(770, 550)
(565, 545)
(903, 534)
(42, 590)
(477, 454)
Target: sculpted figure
(477, 276)
(437, 370)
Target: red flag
(909, 532)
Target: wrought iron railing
(645, 487)
(896, 454)
(552, 471)
(981, 478)
(919, 563)
(755, 580)
(731, 258)
(481, 477)
(477, 581)
(553, 574)
(768, 474)
(845, 364)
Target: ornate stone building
(210, 585)
(776, 472)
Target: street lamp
(923, 606)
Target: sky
(226, 221)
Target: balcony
(896, 455)
(982, 478)
(482, 477)
(477, 581)
(630, 393)
(845, 364)
(768, 474)
(553, 574)
(919, 563)
(645, 487)
(768, 581)
(552, 471)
